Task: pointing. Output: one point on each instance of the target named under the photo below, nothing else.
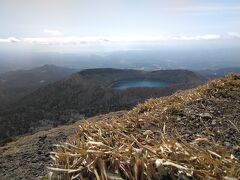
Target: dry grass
(137, 146)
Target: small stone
(179, 118)
(205, 115)
(227, 144)
(147, 132)
(214, 122)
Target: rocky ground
(213, 114)
(216, 118)
(27, 157)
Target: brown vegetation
(150, 142)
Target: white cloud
(72, 40)
(10, 40)
(234, 34)
(4, 40)
(91, 40)
(53, 32)
(62, 40)
(199, 37)
(205, 9)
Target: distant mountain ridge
(86, 93)
(219, 72)
(16, 84)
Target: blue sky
(71, 22)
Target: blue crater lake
(133, 83)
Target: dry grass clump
(137, 147)
(214, 88)
(106, 151)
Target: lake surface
(138, 83)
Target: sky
(63, 24)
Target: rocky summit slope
(193, 134)
(26, 157)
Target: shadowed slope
(17, 84)
(86, 93)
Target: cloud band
(64, 40)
